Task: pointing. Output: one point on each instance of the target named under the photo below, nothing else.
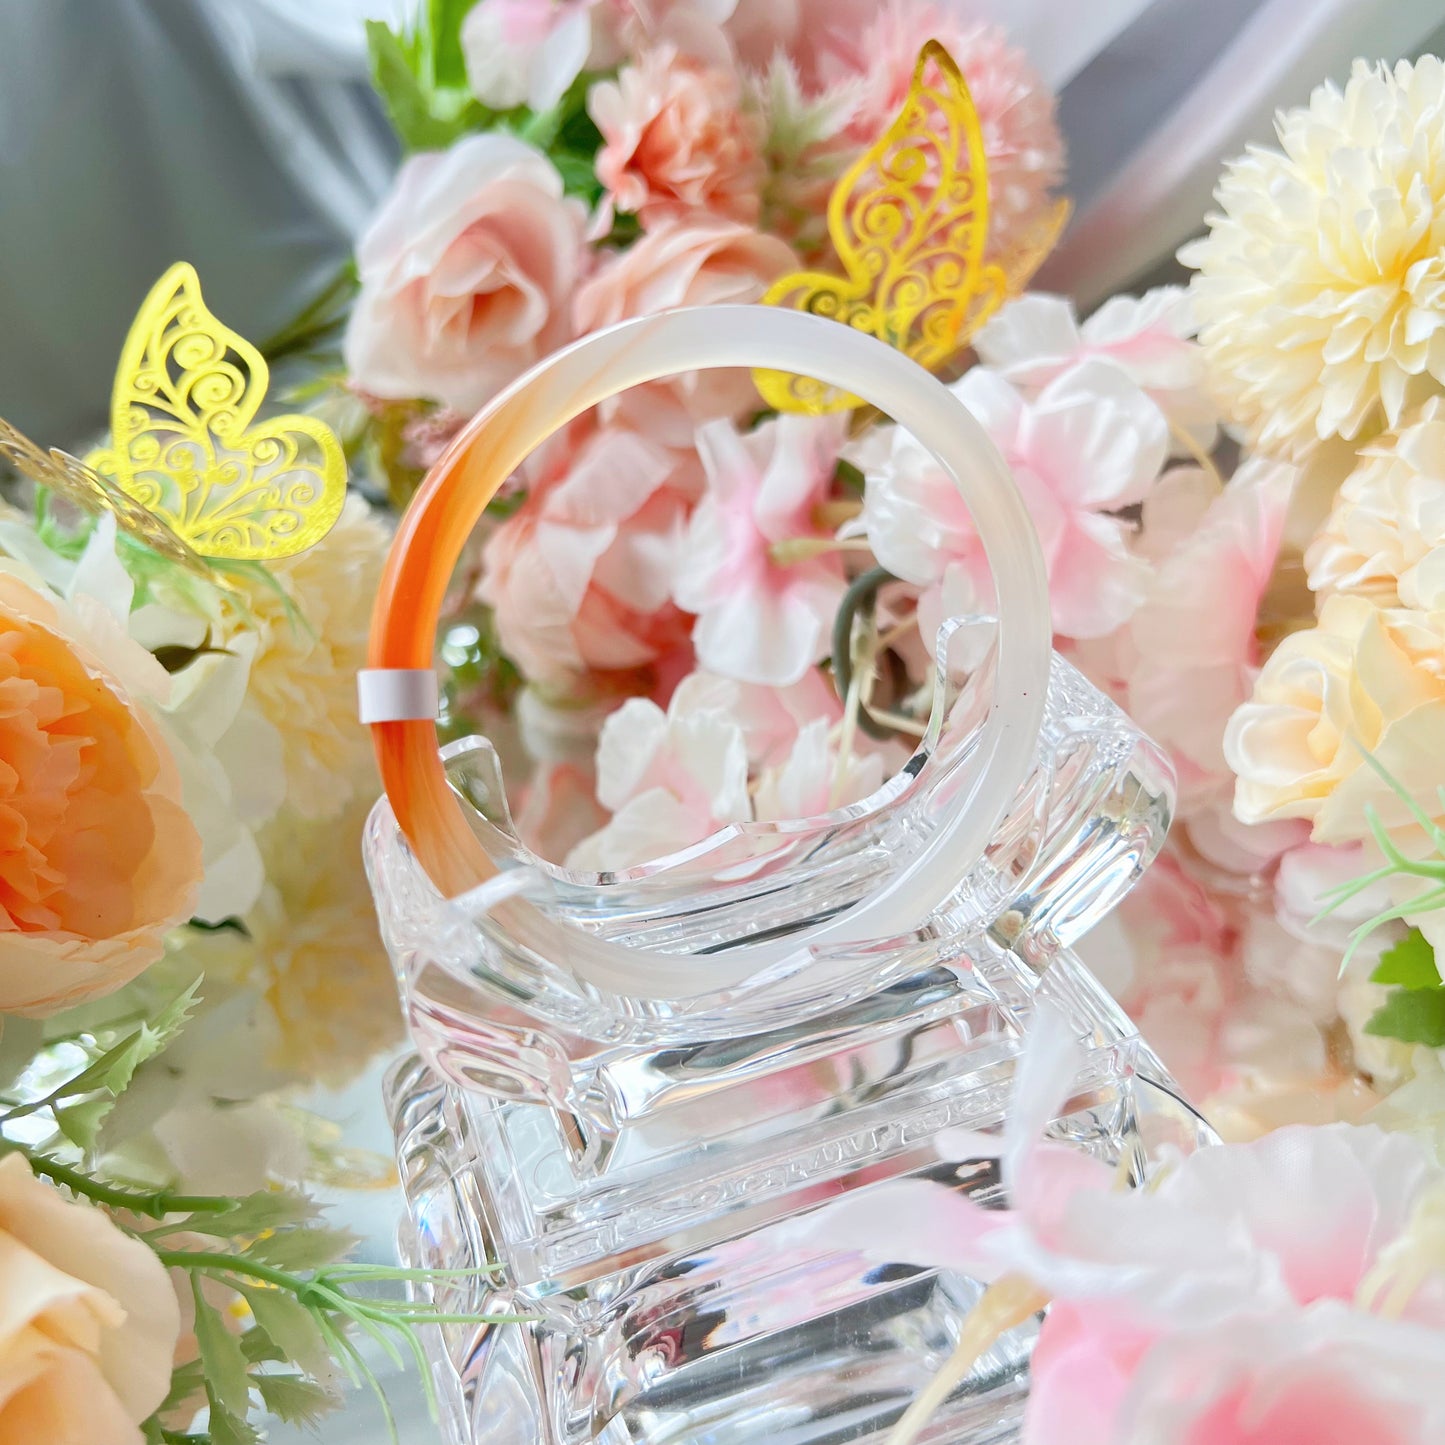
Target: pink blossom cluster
(670, 569)
(663, 553)
(1287, 1291)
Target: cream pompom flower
(310, 621)
(1321, 288)
(316, 954)
(1385, 535)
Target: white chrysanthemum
(310, 622)
(1385, 536)
(1321, 288)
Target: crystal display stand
(623, 1164)
(633, 1093)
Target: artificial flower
(580, 576)
(1166, 952)
(90, 1321)
(1321, 288)
(465, 271)
(100, 858)
(763, 614)
(772, 718)
(875, 62)
(315, 955)
(814, 779)
(1032, 340)
(1088, 445)
(677, 141)
(1321, 1376)
(670, 779)
(305, 628)
(1385, 535)
(808, 35)
(528, 52)
(703, 263)
(1195, 648)
(805, 150)
(1363, 679)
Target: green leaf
(221, 1357)
(290, 1326)
(1409, 964)
(187, 1382)
(260, 1349)
(850, 478)
(302, 1248)
(80, 1123)
(1412, 1015)
(253, 1214)
(579, 177)
(111, 1073)
(425, 116)
(444, 25)
(294, 1400)
(20, 1041)
(228, 1428)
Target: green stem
(862, 593)
(153, 1205)
(208, 1262)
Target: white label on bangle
(397, 694)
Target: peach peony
(702, 264)
(581, 576)
(677, 141)
(99, 856)
(88, 1320)
(465, 272)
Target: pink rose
(701, 264)
(676, 140)
(528, 52)
(580, 577)
(465, 272)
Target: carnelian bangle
(493, 445)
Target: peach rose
(705, 263)
(581, 576)
(676, 140)
(464, 274)
(88, 1320)
(1363, 678)
(98, 858)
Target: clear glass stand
(623, 1161)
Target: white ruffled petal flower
(1321, 288)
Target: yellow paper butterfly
(189, 471)
(909, 221)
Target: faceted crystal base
(668, 1308)
(646, 1172)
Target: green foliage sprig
(280, 1313)
(1414, 1010)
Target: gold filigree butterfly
(189, 471)
(909, 221)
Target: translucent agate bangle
(494, 444)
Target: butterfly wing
(62, 474)
(186, 446)
(909, 221)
